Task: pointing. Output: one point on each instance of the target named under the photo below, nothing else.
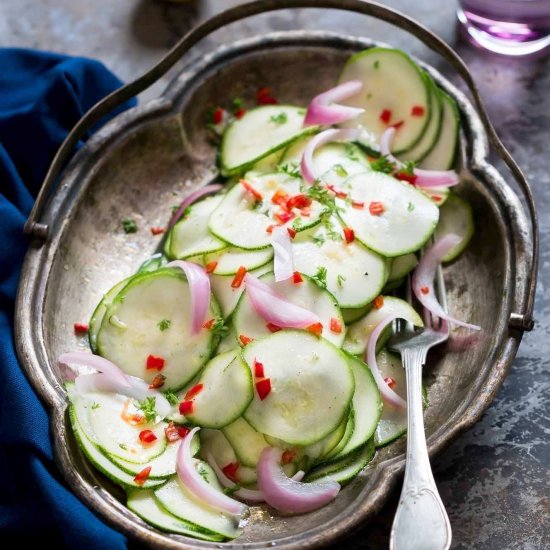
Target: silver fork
(421, 522)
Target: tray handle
(40, 231)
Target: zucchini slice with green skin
(102, 463)
(229, 260)
(456, 217)
(401, 266)
(156, 261)
(247, 442)
(348, 433)
(367, 405)
(407, 222)
(190, 236)
(144, 504)
(351, 315)
(268, 164)
(131, 329)
(100, 310)
(307, 374)
(258, 134)
(306, 294)
(345, 469)
(226, 393)
(395, 91)
(178, 501)
(442, 156)
(353, 274)
(243, 222)
(358, 333)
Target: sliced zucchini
(102, 463)
(456, 217)
(131, 329)
(442, 156)
(268, 164)
(407, 222)
(190, 236)
(229, 260)
(243, 222)
(345, 469)
(227, 391)
(144, 504)
(156, 261)
(306, 294)
(176, 499)
(402, 266)
(351, 315)
(247, 443)
(395, 91)
(358, 333)
(353, 274)
(317, 451)
(307, 374)
(228, 342)
(348, 432)
(258, 134)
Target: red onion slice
(324, 111)
(424, 274)
(424, 178)
(185, 467)
(307, 166)
(283, 260)
(193, 197)
(97, 363)
(199, 285)
(274, 308)
(285, 494)
(370, 357)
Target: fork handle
(421, 522)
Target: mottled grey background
(494, 479)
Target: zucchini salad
(246, 364)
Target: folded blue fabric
(42, 95)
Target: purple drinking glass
(509, 27)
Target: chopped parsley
(322, 195)
(382, 164)
(280, 118)
(320, 278)
(318, 239)
(219, 327)
(237, 103)
(95, 406)
(171, 397)
(147, 407)
(409, 168)
(332, 233)
(351, 151)
(164, 324)
(290, 168)
(340, 280)
(123, 446)
(340, 171)
(203, 472)
(231, 490)
(410, 207)
(298, 222)
(129, 225)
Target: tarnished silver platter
(146, 160)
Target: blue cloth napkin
(42, 95)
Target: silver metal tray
(148, 159)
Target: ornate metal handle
(522, 320)
(421, 522)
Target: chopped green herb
(409, 167)
(236, 103)
(318, 239)
(147, 407)
(219, 328)
(369, 95)
(298, 222)
(351, 151)
(320, 278)
(258, 205)
(340, 280)
(332, 233)
(280, 118)
(321, 194)
(171, 397)
(129, 225)
(315, 357)
(175, 208)
(382, 164)
(231, 490)
(290, 168)
(377, 64)
(203, 472)
(410, 207)
(340, 170)
(95, 406)
(123, 446)
(164, 324)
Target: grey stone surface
(494, 479)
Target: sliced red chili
(283, 216)
(288, 456)
(298, 201)
(341, 194)
(245, 340)
(358, 204)
(239, 113)
(186, 407)
(378, 302)
(280, 197)
(297, 278)
(437, 198)
(154, 362)
(267, 100)
(291, 232)
(157, 382)
(417, 110)
(390, 381)
(335, 325)
(349, 234)
(385, 116)
(273, 328)
(81, 327)
(424, 290)
(157, 230)
(171, 432)
(143, 476)
(258, 369)
(147, 436)
(239, 277)
(209, 324)
(398, 125)
(376, 208)
(254, 192)
(210, 266)
(194, 391)
(183, 431)
(315, 328)
(230, 471)
(217, 116)
(263, 387)
(405, 176)
(263, 92)
(270, 228)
